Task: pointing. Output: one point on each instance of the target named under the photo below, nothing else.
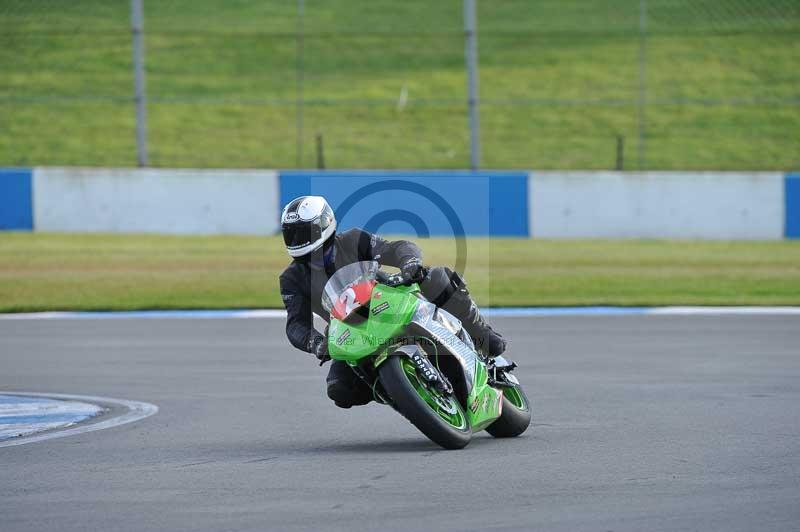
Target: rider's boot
(487, 340)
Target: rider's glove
(319, 347)
(412, 270)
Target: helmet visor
(297, 235)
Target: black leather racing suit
(304, 280)
(302, 284)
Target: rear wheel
(440, 417)
(516, 414)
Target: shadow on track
(267, 451)
(383, 446)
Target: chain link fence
(602, 84)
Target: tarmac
(641, 422)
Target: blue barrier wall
(155, 200)
(792, 206)
(679, 205)
(16, 199)
(705, 205)
(425, 203)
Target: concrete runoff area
(640, 423)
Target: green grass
(125, 272)
(221, 78)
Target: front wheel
(439, 417)
(516, 414)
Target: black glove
(412, 270)
(319, 347)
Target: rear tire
(516, 415)
(408, 402)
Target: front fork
(484, 400)
(426, 370)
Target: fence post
(641, 149)
(320, 153)
(137, 28)
(471, 52)
(299, 72)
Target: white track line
(517, 312)
(716, 311)
(149, 314)
(135, 411)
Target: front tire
(442, 419)
(516, 414)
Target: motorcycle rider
(309, 232)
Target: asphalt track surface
(641, 423)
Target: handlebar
(396, 279)
(389, 279)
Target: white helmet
(307, 222)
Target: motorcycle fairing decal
(380, 308)
(344, 336)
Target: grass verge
(559, 82)
(125, 272)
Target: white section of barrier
(119, 200)
(704, 205)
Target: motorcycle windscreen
(349, 288)
(352, 298)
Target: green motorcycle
(418, 359)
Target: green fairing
(391, 311)
(485, 399)
(377, 333)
